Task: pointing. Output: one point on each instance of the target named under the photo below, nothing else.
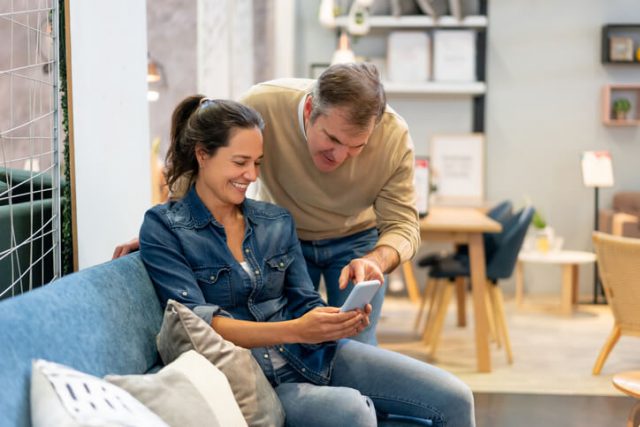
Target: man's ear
(308, 107)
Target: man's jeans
(370, 383)
(328, 257)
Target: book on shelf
(454, 55)
(408, 56)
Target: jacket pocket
(275, 274)
(215, 283)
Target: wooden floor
(531, 410)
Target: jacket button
(184, 293)
(281, 349)
(304, 370)
(257, 272)
(281, 264)
(266, 356)
(212, 278)
(246, 251)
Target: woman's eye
(240, 163)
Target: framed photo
(316, 69)
(621, 49)
(457, 166)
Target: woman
(237, 263)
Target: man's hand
(383, 259)
(329, 324)
(360, 269)
(125, 248)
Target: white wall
(111, 125)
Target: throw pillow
(182, 330)
(189, 392)
(64, 397)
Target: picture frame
(317, 68)
(621, 49)
(457, 166)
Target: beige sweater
(374, 189)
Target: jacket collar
(201, 215)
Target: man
(341, 162)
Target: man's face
(332, 139)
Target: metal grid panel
(29, 156)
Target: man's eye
(240, 163)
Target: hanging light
(153, 71)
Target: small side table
(629, 383)
(569, 260)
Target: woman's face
(226, 175)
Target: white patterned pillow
(64, 397)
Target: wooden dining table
(461, 225)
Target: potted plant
(544, 234)
(621, 107)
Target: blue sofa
(102, 320)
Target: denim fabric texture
(185, 251)
(367, 380)
(102, 320)
(326, 258)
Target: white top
(558, 257)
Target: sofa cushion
(182, 330)
(101, 320)
(189, 392)
(64, 397)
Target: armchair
(623, 218)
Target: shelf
(420, 21)
(616, 91)
(435, 88)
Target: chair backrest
(502, 213)
(502, 262)
(619, 266)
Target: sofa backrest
(102, 320)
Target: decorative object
(454, 54)
(621, 107)
(408, 56)
(621, 49)
(343, 53)
(421, 183)
(457, 163)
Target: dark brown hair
(354, 86)
(209, 123)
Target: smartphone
(361, 295)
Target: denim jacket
(185, 252)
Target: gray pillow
(182, 330)
(189, 392)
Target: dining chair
(500, 265)
(500, 213)
(619, 266)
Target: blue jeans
(328, 257)
(370, 384)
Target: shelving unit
(474, 89)
(614, 91)
(624, 32)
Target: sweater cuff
(403, 246)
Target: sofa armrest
(624, 224)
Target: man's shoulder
(283, 87)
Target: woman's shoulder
(265, 210)
(175, 211)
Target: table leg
(478, 287)
(575, 284)
(410, 282)
(566, 305)
(519, 283)
(461, 297)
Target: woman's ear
(201, 155)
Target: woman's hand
(125, 248)
(329, 324)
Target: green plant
(621, 105)
(538, 220)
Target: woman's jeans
(328, 257)
(370, 384)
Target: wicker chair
(620, 274)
